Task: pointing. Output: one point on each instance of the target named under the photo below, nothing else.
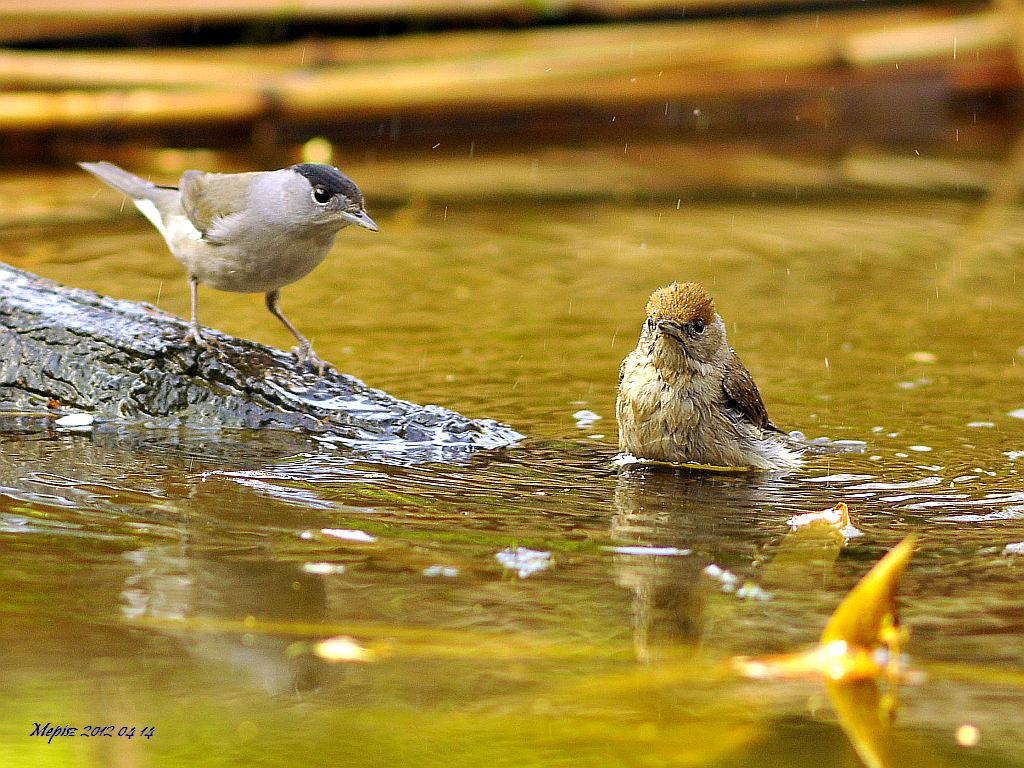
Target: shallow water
(181, 580)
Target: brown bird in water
(684, 395)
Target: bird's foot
(307, 357)
(194, 336)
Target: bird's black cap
(330, 178)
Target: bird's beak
(669, 328)
(360, 218)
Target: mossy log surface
(65, 350)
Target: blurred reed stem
(502, 70)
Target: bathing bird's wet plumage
(684, 395)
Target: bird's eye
(649, 324)
(698, 326)
(322, 196)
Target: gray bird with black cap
(247, 232)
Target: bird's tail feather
(132, 185)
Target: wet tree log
(66, 350)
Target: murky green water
(180, 580)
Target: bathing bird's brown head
(683, 315)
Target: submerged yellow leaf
(808, 552)
(864, 715)
(835, 660)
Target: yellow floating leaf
(863, 622)
(867, 617)
(836, 517)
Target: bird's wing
(209, 198)
(742, 392)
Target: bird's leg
(304, 352)
(194, 334)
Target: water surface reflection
(182, 578)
